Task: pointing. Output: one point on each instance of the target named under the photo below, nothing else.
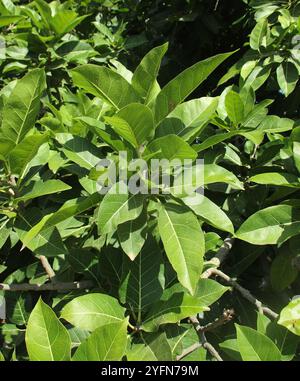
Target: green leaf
(106, 343)
(174, 307)
(117, 208)
(105, 84)
(258, 34)
(69, 209)
(133, 122)
(46, 338)
(214, 173)
(276, 178)
(209, 212)
(209, 291)
(270, 226)
(283, 273)
(92, 311)
(24, 152)
(255, 346)
(234, 107)
(179, 230)
(84, 261)
(132, 235)
(40, 188)
(18, 307)
(170, 147)
(184, 84)
(188, 118)
(287, 77)
(141, 286)
(79, 150)
(48, 242)
(150, 347)
(22, 107)
(144, 77)
(290, 316)
(7, 20)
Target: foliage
(81, 269)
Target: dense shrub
(158, 276)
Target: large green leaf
(258, 34)
(180, 87)
(40, 188)
(105, 84)
(208, 211)
(24, 152)
(209, 291)
(92, 311)
(170, 147)
(174, 307)
(255, 346)
(106, 343)
(132, 235)
(46, 338)
(142, 284)
(270, 226)
(188, 118)
(21, 109)
(144, 77)
(150, 347)
(276, 178)
(179, 230)
(234, 107)
(69, 209)
(117, 208)
(133, 122)
(287, 77)
(48, 242)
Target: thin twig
(45, 263)
(58, 286)
(210, 348)
(245, 293)
(189, 350)
(226, 317)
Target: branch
(47, 267)
(59, 286)
(245, 293)
(189, 350)
(210, 348)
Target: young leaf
(46, 338)
(92, 311)
(144, 77)
(179, 230)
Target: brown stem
(45, 263)
(245, 293)
(58, 286)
